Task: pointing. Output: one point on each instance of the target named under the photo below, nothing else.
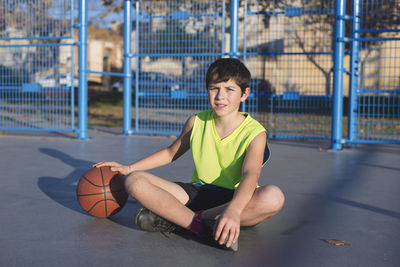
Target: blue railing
(36, 66)
(302, 85)
(297, 58)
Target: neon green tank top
(219, 162)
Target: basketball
(101, 192)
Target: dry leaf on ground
(337, 242)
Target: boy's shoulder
(253, 125)
(253, 121)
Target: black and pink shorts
(204, 197)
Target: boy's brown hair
(224, 69)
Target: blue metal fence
(175, 43)
(36, 65)
(374, 106)
(288, 47)
(307, 59)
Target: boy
(228, 148)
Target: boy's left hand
(228, 224)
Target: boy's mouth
(220, 106)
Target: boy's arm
(160, 158)
(229, 221)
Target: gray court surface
(351, 195)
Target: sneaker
(208, 233)
(147, 220)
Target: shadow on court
(63, 190)
(351, 195)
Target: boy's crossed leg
(162, 197)
(168, 200)
(266, 202)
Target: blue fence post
(338, 70)
(223, 31)
(234, 28)
(353, 106)
(82, 94)
(245, 32)
(234, 42)
(127, 123)
(137, 67)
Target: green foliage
(106, 98)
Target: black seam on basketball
(113, 181)
(94, 205)
(104, 192)
(90, 182)
(94, 194)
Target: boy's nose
(220, 94)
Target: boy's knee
(271, 199)
(135, 183)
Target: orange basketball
(101, 192)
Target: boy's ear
(245, 95)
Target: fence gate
(288, 48)
(175, 43)
(36, 65)
(374, 113)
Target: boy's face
(225, 97)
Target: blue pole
(338, 70)
(223, 29)
(127, 123)
(245, 32)
(353, 107)
(137, 68)
(234, 35)
(82, 94)
(234, 28)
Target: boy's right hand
(114, 166)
